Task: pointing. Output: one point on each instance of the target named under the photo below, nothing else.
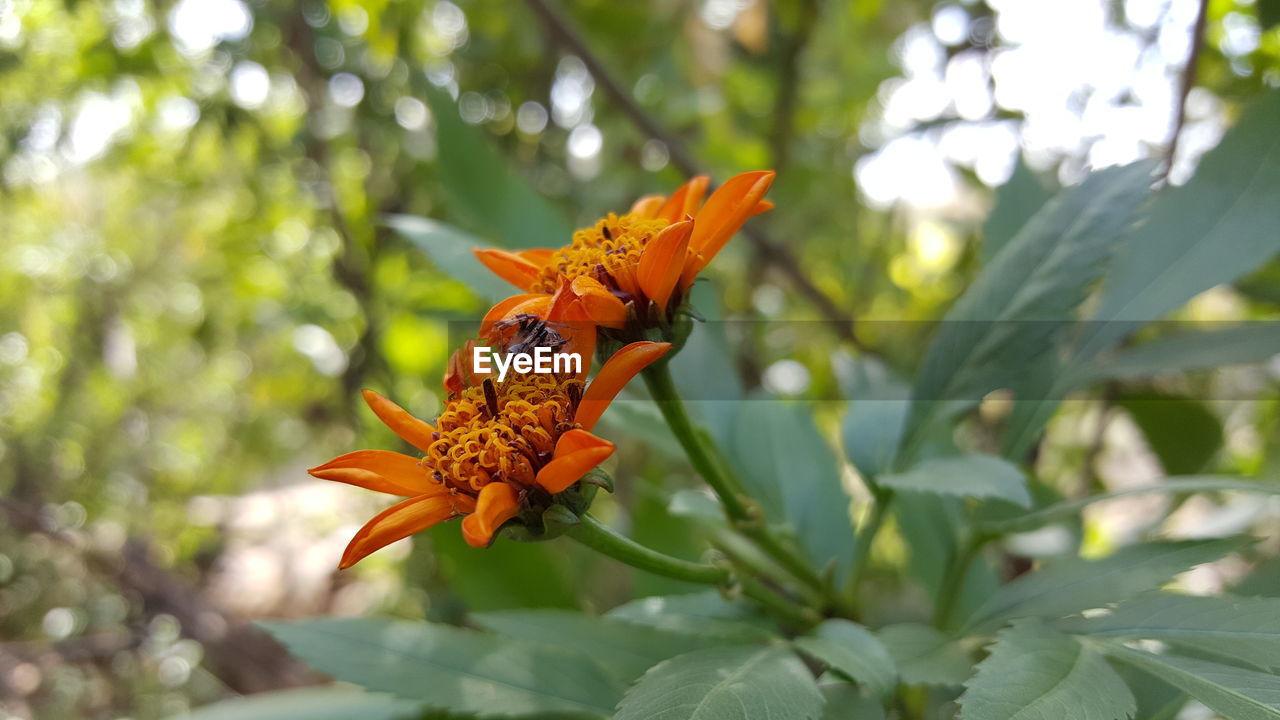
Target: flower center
(501, 432)
(613, 245)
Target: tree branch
(560, 33)
(241, 656)
(784, 105)
(1188, 82)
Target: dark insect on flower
(525, 331)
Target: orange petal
(576, 452)
(662, 262)
(648, 206)
(562, 302)
(598, 304)
(524, 302)
(402, 520)
(727, 208)
(685, 201)
(693, 264)
(380, 470)
(613, 376)
(510, 267)
(497, 504)
(460, 374)
(762, 207)
(414, 431)
(581, 340)
(537, 256)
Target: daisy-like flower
(497, 451)
(645, 259)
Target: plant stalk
(783, 608)
(744, 516)
(662, 387)
(881, 499)
(599, 537)
(954, 578)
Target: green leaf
(451, 251)
(309, 704)
(1030, 291)
(849, 650)
(508, 574)
(1210, 231)
(703, 613)
(1157, 699)
(1263, 580)
(1037, 673)
(1243, 345)
(625, 648)
(484, 189)
(877, 415)
(931, 524)
(1263, 284)
(1016, 203)
(787, 465)
(1183, 433)
(978, 476)
(1242, 629)
(1071, 586)
(845, 702)
(1235, 693)
(451, 669)
(726, 683)
(925, 656)
(1068, 510)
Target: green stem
(953, 579)
(881, 499)
(663, 389)
(752, 560)
(790, 612)
(785, 557)
(744, 516)
(596, 535)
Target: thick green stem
(596, 535)
(743, 515)
(952, 585)
(747, 556)
(663, 389)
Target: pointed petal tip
(509, 266)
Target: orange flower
(497, 451)
(646, 258)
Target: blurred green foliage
(197, 276)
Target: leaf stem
(599, 537)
